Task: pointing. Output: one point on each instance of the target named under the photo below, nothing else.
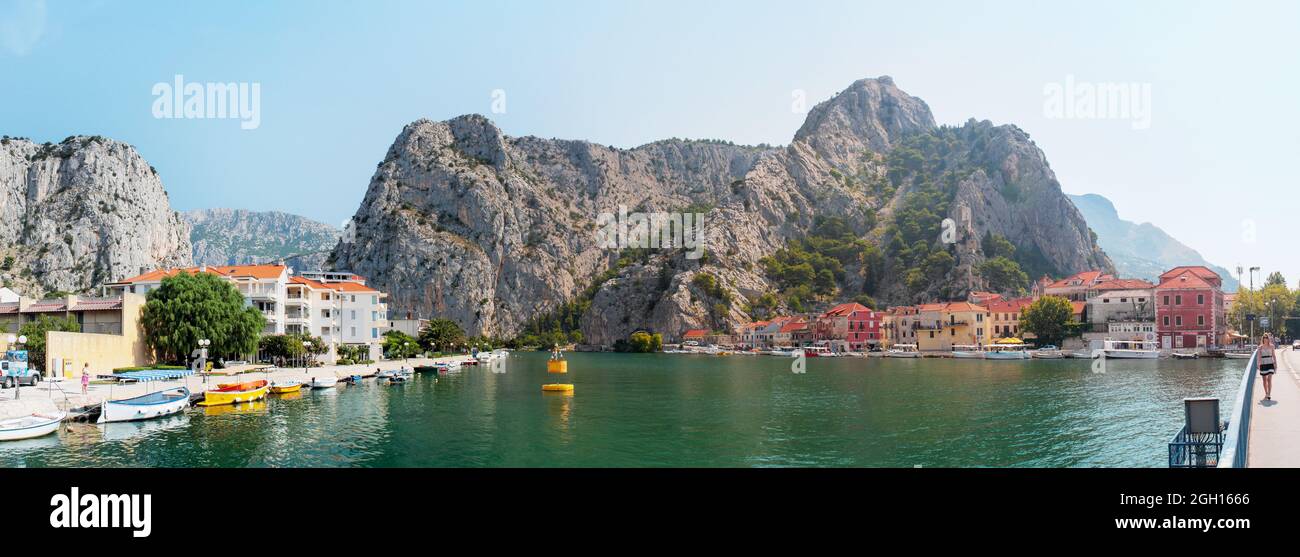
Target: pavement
(1275, 424)
(49, 396)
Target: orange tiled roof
(1123, 284)
(1085, 278)
(1010, 306)
(695, 333)
(794, 325)
(250, 271)
(844, 309)
(349, 287)
(1188, 278)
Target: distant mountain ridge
(1140, 250)
(240, 236)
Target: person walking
(1267, 364)
(85, 378)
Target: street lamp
(406, 351)
(306, 349)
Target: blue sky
(340, 79)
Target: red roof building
(1189, 308)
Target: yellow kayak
(558, 388)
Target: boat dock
(53, 396)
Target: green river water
(685, 410)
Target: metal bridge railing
(1236, 445)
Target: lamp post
(1252, 295)
(18, 383)
(306, 352)
(406, 351)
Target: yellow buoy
(558, 387)
(557, 366)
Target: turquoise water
(686, 410)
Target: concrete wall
(102, 351)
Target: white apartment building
(337, 307)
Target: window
(1200, 320)
(353, 315)
(1166, 302)
(1200, 299)
(1166, 321)
(1178, 300)
(374, 332)
(1178, 321)
(352, 331)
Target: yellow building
(947, 324)
(111, 332)
(1004, 318)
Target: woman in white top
(1267, 364)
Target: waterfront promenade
(49, 396)
(1275, 424)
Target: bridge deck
(1275, 425)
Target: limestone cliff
(80, 213)
(240, 236)
(493, 231)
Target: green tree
(995, 245)
(399, 345)
(1275, 279)
(1004, 275)
(36, 337)
(440, 335)
(1048, 318)
(641, 341)
(188, 307)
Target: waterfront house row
(337, 307)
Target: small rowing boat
(144, 407)
(232, 393)
(29, 427)
(1185, 355)
(286, 387)
(327, 382)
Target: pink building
(1189, 308)
(864, 328)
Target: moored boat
(29, 427)
(1084, 354)
(967, 352)
(1006, 349)
(1185, 355)
(1048, 352)
(144, 407)
(903, 351)
(327, 382)
(232, 393)
(1237, 355)
(1130, 350)
(286, 387)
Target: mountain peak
(871, 114)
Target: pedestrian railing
(1236, 445)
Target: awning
(154, 374)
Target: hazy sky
(339, 80)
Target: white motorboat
(1006, 351)
(444, 367)
(327, 382)
(1237, 355)
(29, 427)
(1049, 352)
(1130, 350)
(144, 407)
(1084, 354)
(967, 352)
(903, 351)
(1185, 355)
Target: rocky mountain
(239, 236)
(86, 211)
(501, 233)
(1140, 250)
